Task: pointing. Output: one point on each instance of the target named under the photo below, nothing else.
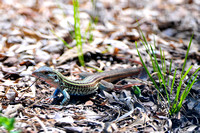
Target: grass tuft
(161, 72)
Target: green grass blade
(163, 64)
(180, 82)
(164, 67)
(185, 93)
(174, 106)
(173, 81)
(78, 32)
(172, 85)
(170, 69)
(161, 59)
(155, 59)
(183, 68)
(146, 68)
(64, 42)
(144, 38)
(148, 52)
(160, 73)
(88, 31)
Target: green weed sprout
(8, 124)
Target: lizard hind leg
(104, 85)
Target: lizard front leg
(55, 96)
(66, 97)
(56, 92)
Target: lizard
(87, 86)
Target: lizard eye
(46, 73)
(55, 77)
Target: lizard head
(48, 75)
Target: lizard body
(83, 87)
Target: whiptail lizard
(83, 87)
